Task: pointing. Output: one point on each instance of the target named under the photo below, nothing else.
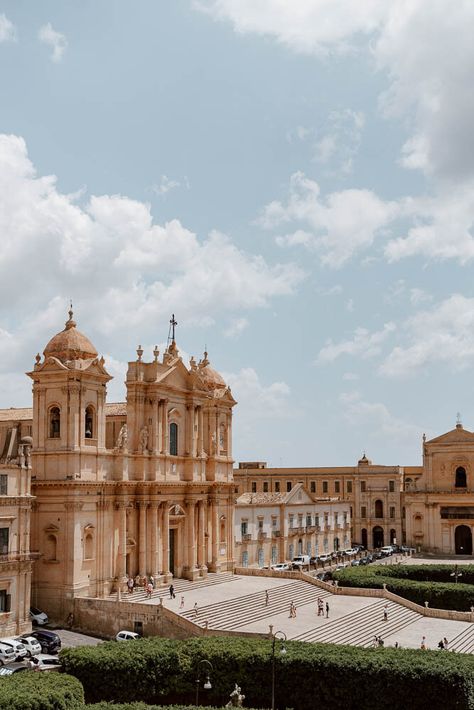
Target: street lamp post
(456, 574)
(281, 636)
(207, 684)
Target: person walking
(327, 610)
(267, 598)
(445, 641)
(441, 645)
(149, 589)
(381, 642)
(385, 612)
(172, 594)
(152, 581)
(130, 585)
(195, 609)
(181, 603)
(423, 643)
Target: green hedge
(340, 677)
(144, 706)
(402, 580)
(40, 691)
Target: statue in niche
(21, 456)
(144, 439)
(213, 445)
(122, 438)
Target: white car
(325, 558)
(44, 662)
(387, 550)
(18, 647)
(127, 636)
(281, 567)
(32, 645)
(352, 551)
(7, 654)
(38, 617)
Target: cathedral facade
(143, 488)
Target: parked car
(357, 546)
(377, 555)
(387, 550)
(38, 617)
(48, 640)
(364, 561)
(300, 561)
(7, 654)
(324, 558)
(13, 668)
(355, 563)
(281, 567)
(18, 647)
(351, 552)
(45, 662)
(127, 636)
(32, 645)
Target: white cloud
(338, 147)
(56, 40)
(443, 334)
(376, 418)
(124, 272)
(342, 224)
(166, 185)
(236, 327)
(7, 29)
(256, 400)
(364, 344)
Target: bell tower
(69, 390)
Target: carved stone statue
(213, 445)
(21, 456)
(144, 439)
(122, 438)
(236, 698)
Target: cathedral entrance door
(463, 540)
(172, 549)
(377, 535)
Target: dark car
(364, 561)
(50, 642)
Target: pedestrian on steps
(267, 598)
(172, 594)
(385, 612)
(327, 610)
(181, 604)
(195, 609)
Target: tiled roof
(261, 498)
(115, 409)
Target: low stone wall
(111, 616)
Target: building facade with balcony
(275, 527)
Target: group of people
(378, 642)
(320, 607)
(147, 583)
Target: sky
(293, 180)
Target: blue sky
(292, 180)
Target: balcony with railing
(261, 535)
(246, 537)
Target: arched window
(393, 536)
(89, 423)
(51, 547)
(54, 423)
(300, 546)
(378, 509)
(222, 437)
(408, 484)
(173, 439)
(460, 477)
(88, 546)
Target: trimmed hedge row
(440, 595)
(431, 573)
(341, 677)
(40, 691)
(144, 706)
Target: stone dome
(70, 344)
(208, 378)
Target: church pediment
(176, 376)
(457, 435)
(298, 495)
(51, 364)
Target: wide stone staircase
(360, 627)
(234, 613)
(181, 586)
(464, 641)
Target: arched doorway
(463, 540)
(460, 481)
(364, 537)
(377, 536)
(393, 536)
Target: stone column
(214, 535)
(200, 431)
(190, 538)
(188, 446)
(142, 506)
(166, 539)
(201, 536)
(122, 524)
(159, 427)
(153, 548)
(164, 427)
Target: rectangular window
(3, 484)
(392, 511)
(312, 487)
(5, 601)
(254, 486)
(345, 518)
(243, 528)
(308, 520)
(265, 486)
(337, 487)
(349, 486)
(288, 486)
(391, 486)
(260, 524)
(316, 520)
(274, 522)
(325, 486)
(326, 519)
(363, 511)
(277, 486)
(4, 535)
(362, 487)
(300, 520)
(291, 520)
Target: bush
(40, 691)
(144, 706)
(403, 580)
(340, 677)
